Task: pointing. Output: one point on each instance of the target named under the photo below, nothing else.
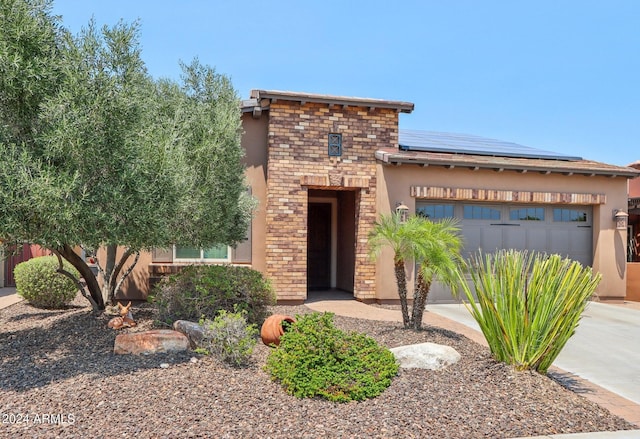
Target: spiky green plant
(528, 304)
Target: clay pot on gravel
(273, 328)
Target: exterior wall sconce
(621, 219)
(403, 212)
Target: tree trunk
(86, 273)
(110, 262)
(419, 301)
(75, 279)
(114, 282)
(401, 280)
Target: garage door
(550, 229)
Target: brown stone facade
(298, 160)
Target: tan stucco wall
(609, 254)
(136, 286)
(254, 142)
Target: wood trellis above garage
(493, 195)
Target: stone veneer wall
(298, 160)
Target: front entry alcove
(331, 231)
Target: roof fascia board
(400, 106)
(390, 159)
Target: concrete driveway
(605, 349)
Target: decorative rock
(192, 330)
(425, 356)
(151, 342)
(164, 365)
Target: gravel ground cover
(59, 378)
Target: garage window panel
(471, 211)
(527, 214)
(435, 211)
(569, 215)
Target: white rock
(164, 365)
(426, 356)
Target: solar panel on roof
(432, 141)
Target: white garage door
(551, 229)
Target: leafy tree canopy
(95, 152)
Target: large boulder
(193, 331)
(151, 342)
(425, 356)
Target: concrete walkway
(8, 297)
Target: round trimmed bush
(203, 290)
(38, 282)
(315, 358)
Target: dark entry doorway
(319, 246)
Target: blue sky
(556, 75)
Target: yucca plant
(528, 304)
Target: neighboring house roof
(263, 98)
(474, 152)
(634, 206)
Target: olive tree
(103, 155)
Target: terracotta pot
(272, 329)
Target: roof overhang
(391, 156)
(265, 97)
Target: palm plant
(433, 246)
(438, 259)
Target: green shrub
(229, 337)
(38, 282)
(528, 304)
(202, 290)
(317, 359)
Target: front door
(319, 246)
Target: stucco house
(324, 167)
